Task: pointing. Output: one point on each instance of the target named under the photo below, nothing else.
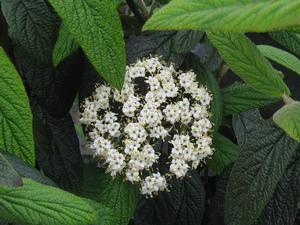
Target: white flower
(157, 108)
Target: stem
(135, 11)
(287, 99)
(144, 9)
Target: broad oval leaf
(288, 118)
(65, 45)
(35, 203)
(282, 208)
(15, 114)
(241, 97)
(226, 152)
(8, 176)
(96, 27)
(224, 15)
(185, 40)
(246, 61)
(256, 173)
(280, 56)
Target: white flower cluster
(157, 104)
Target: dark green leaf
(256, 173)
(105, 216)
(32, 27)
(183, 205)
(15, 115)
(96, 27)
(116, 194)
(282, 208)
(224, 15)
(288, 118)
(35, 203)
(290, 40)
(57, 149)
(246, 61)
(226, 152)
(184, 41)
(65, 45)
(281, 57)
(241, 98)
(244, 123)
(27, 171)
(8, 176)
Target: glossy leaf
(223, 15)
(280, 56)
(35, 203)
(288, 118)
(246, 61)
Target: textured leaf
(184, 41)
(282, 208)
(34, 32)
(35, 203)
(244, 123)
(290, 40)
(183, 205)
(256, 173)
(105, 216)
(97, 29)
(241, 98)
(8, 176)
(57, 149)
(25, 170)
(226, 152)
(206, 78)
(65, 45)
(31, 26)
(15, 115)
(288, 118)
(246, 61)
(280, 56)
(116, 194)
(224, 15)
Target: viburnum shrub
(156, 104)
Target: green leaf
(256, 173)
(116, 194)
(33, 30)
(280, 56)
(8, 176)
(15, 114)
(290, 40)
(208, 79)
(25, 170)
(224, 15)
(35, 203)
(241, 97)
(244, 123)
(226, 152)
(282, 208)
(246, 61)
(105, 216)
(96, 27)
(183, 205)
(288, 118)
(65, 45)
(184, 41)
